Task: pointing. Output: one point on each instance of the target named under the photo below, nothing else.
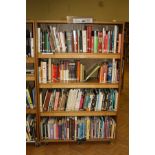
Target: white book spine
(100, 101)
(62, 38)
(75, 134)
(115, 37)
(32, 47)
(69, 100)
(44, 70)
(39, 74)
(56, 39)
(38, 39)
(41, 103)
(89, 104)
(78, 100)
(84, 40)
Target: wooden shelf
(81, 55)
(30, 78)
(79, 113)
(29, 60)
(28, 142)
(30, 111)
(89, 140)
(72, 84)
(65, 22)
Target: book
(84, 41)
(92, 71)
(95, 41)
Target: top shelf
(81, 55)
(65, 22)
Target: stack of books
(76, 128)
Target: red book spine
(58, 71)
(54, 73)
(100, 42)
(106, 43)
(105, 72)
(87, 36)
(81, 102)
(92, 42)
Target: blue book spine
(109, 76)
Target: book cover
(92, 71)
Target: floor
(119, 147)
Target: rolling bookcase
(32, 110)
(88, 59)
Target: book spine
(119, 43)
(49, 70)
(92, 42)
(109, 76)
(29, 98)
(75, 41)
(84, 41)
(44, 72)
(32, 47)
(41, 104)
(115, 37)
(95, 41)
(100, 42)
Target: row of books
(30, 98)
(109, 72)
(78, 99)
(29, 44)
(74, 70)
(77, 128)
(30, 128)
(89, 40)
(65, 70)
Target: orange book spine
(119, 42)
(101, 74)
(78, 70)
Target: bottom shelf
(30, 141)
(90, 140)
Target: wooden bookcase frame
(38, 86)
(32, 60)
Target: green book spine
(95, 41)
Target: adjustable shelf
(79, 113)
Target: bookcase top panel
(65, 22)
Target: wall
(106, 10)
